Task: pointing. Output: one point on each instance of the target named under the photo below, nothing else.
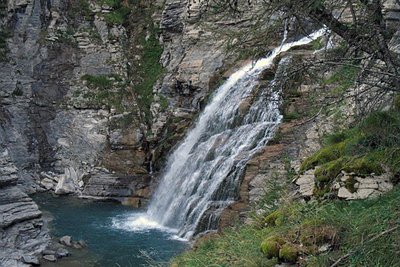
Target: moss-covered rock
(329, 171)
(274, 218)
(371, 163)
(289, 253)
(270, 246)
(323, 156)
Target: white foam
(138, 222)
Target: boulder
(51, 258)
(66, 240)
(48, 252)
(69, 182)
(62, 252)
(30, 259)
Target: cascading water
(203, 174)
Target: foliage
(343, 226)
(118, 16)
(369, 147)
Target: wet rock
(30, 259)
(51, 258)
(47, 183)
(62, 252)
(82, 243)
(48, 252)
(66, 240)
(69, 182)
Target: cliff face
(73, 111)
(76, 114)
(56, 59)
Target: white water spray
(203, 174)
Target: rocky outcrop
(22, 231)
(130, 190)
(62, 64)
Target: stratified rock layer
(21, 227)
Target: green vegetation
(318, 44)
(106, 90)
(364, 229)
(100, 81)
(150, 71)
(287, 117)
(372, 146)
(80, 9)
(164, 102)
(118, 16)
(343, 78)
(119, 13)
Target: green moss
(288, 253)
(270, 246)
(350, 184)
(329, 171)
(324, 155)
(164, 102)
(369, 147)
(274, 218)
(317, 44)
(371, 163)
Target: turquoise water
(105, 227)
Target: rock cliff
(79, 115)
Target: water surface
(106, 228)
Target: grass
(372, 146)
(344, 226)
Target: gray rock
(66, 240)
(48, 252)
(30, 259)
(82, 243)
(62, 252)
(51, 258)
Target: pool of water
(116, 235)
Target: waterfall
(203, 174)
